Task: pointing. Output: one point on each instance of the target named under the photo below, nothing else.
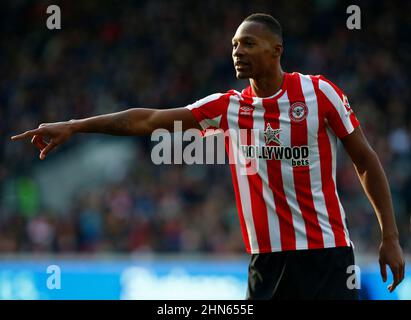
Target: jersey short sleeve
(210, 111)
(339, 114)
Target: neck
(268, 85)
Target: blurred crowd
(111, 55)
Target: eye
(249, 44)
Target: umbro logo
(246, 110)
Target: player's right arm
(130, 122)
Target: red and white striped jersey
(291, 202)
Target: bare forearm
(124, 123)
(375, 184)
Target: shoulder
(218, 100)
(326, 84)
(298, 76)
(223, 95)
(214, 97)
(313, 81)
(313, 77)
(323, 84)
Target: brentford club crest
(298, 111)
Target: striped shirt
(285, 185)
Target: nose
(238, 51)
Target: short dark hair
(269, 21)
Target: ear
(277, 50)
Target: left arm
(375, 185)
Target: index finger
(26, 134)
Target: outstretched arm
(135, 121)
(375, 185)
